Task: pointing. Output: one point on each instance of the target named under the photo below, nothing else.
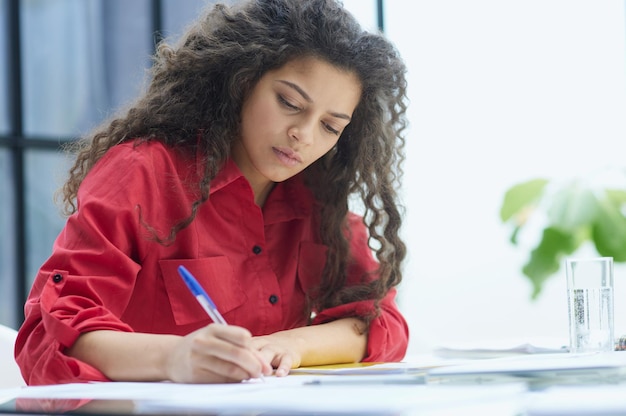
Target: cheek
(259, 114)
(331, 143)
(324, 147)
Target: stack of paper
(502, 348)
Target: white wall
(501, 92)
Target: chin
(282, 175)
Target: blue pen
(203, 298)
(201, 295)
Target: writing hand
(216, 354)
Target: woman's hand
(335, 342)
(280, 350)
(217, 354)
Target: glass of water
(590, 301)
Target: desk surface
(386, 391)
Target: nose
(302, 131)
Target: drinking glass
(590, 301)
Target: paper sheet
(502, 348)
(579, 366)
(359, 369)
(285, 395)
(347, 399)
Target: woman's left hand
(279, 349)
(334, 342)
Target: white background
(501, 92)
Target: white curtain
(81, 58)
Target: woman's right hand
(216, 354)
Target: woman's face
(292, 117)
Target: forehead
(311, 65)
(320, 79)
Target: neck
(261, 193)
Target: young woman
(239, 163)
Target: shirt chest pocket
(215, 275)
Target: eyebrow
(308, 98)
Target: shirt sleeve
(388, 333)
(87, 282)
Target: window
(66, 65)
(4, 93)
(8, 282)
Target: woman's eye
(330, 129)
(286, 103)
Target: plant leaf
(545, 259)
(514, 235)
(616, 196)
(520, 196)
(573, 207)
(609, 230)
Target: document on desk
(413, 365)
(359, 369)
(280, 395)
(123, 390)
(582, 365)
(351, 399)
(503, 348)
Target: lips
(287, 156)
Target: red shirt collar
(288, 200)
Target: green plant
(571, 214)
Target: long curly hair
(194, 98)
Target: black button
(256, 250)
(273, 299)
(57, 278)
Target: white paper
(290, 395)
(502, 348)
(354, 399)
(363, 369)
(546, 365)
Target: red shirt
(106, 270)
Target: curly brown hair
(193, 103)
